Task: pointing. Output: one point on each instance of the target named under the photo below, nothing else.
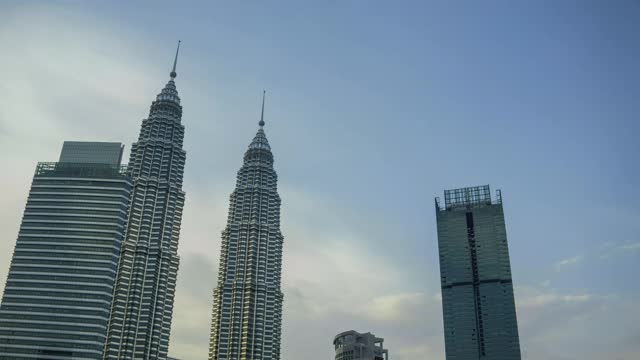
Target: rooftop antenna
(173, 73)
(261, 123)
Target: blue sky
(373, 109)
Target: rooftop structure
(91, 152)
(352, 345)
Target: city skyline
(400, 111)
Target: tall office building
(475, 272)
(58, 294)
(143, 300)
(352, 345)
(247, 302)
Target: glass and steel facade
(92, 152)
(247, 301)
(477, 291)
(140, 322)
(58, 294)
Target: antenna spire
(175, 62)
(261, 123)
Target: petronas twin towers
(247, 301)
(93, 275)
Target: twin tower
(94, 270)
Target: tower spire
(261, 123)
(175, 62)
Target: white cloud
(630, 247)
(612, 249)
(558, 325)
(567, 262)
(401, 307)
(550, 298)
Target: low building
(352, 345)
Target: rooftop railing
(468, 197)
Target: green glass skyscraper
(477, 291)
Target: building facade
(59, 289)
(477, 291)
(247, 301)
(352, 345)
(140, 322)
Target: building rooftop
(468, 197)
(91, 152)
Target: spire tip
(261, 123)
(173, 73)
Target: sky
(373, 109)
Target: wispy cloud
(568, 262)
(620, 249)
(630, 247)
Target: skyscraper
(143, 299)
(58, 294)
(247, 302)
(477, 292)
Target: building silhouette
(247, 301)
(140, 321)
(352, 345)
(477, 291)
(59, 289)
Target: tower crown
(260, 141)
(170, 93)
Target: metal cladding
(140, 321)
(247, 301)
(477, 292)
(59, 289)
